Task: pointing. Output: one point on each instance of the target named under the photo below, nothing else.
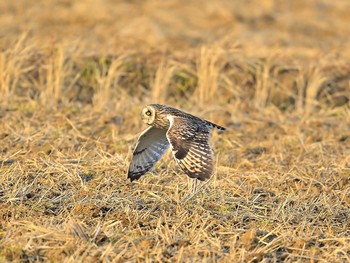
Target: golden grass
(73, 79)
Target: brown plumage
(187, 135)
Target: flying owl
(187, 135)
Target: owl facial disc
(148, 114)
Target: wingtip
(131, 179)
(132, 176)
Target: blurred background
(287, 53)
(108, 25)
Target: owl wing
(190, 145)
(150, 147)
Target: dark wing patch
(190, 145)
(151, 146)
(181, 137)
(181, 153)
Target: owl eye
(148, 113)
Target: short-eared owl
(187, 135)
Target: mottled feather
(151, 146)
(188, 136)
(190, 145)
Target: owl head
(148, 114)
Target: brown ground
(74, 76)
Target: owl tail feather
(213, 125)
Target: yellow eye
(148, 113)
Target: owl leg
(194, 188)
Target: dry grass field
(74, 76)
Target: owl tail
(213, 125)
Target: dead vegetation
(74, 77)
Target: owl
(187, 135)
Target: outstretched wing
(190, 145)
(150, 147)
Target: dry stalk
(209, 65)
(161, 82)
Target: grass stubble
(69, 118)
